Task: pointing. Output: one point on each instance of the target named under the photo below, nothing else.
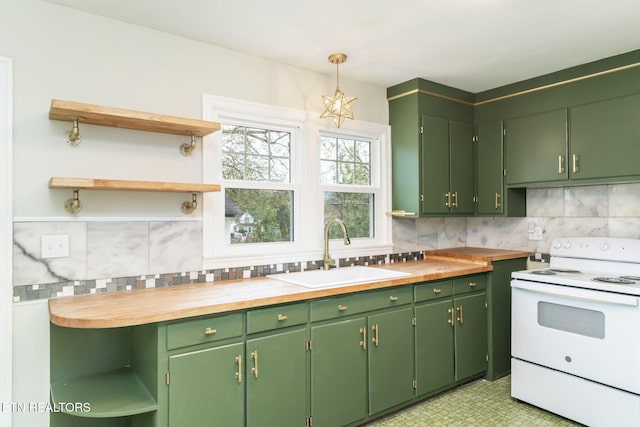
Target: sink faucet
(328, 261)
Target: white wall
(6, 228)
(66, 54)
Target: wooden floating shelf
(115, 393)
(73, 205)
(129, 119)
(116, 184)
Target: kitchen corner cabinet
(451, 332)
(536, 148)
(432, 149)
(491, 196)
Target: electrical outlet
(536, 234)
(55, 246)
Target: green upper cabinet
(536, 148)
(432, 149)
(605, 139)
(489, 168)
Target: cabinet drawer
(191, 332)
(357, 303)
(432, 290)
(277, 317)
(477, 282)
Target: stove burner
(634, 278)
(564, 270)
(544, 272)
(617, 280)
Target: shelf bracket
(73, 138)
(73, 205)
(187, 149)
(189, 207)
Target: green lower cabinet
(434, 346)
(339, 372)
(207, 387)
(451, 337)
(277, 381)
(391, 351)
(470, 335)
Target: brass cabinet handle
(460, 319)
(210, 331)
(497, 200)
(282, 317)
(342, 307)
(363, 343)
(455, 199)
(254, 356)
(400, 212)
(239, 372)
(472, 284)
(393, 298)
(561, 164)
(450, 321)
(575, 167)
(376, 337)
(437, 290)
(448, 202)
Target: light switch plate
(55, 246)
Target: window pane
(354, 209)
(254, 216)
(351, 160)
(255, 154)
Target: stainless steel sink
(319, 279)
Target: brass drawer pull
(472, 284)
(342, 307)
(393, 298)
(450, 312)
(400, 212)
(560, 164)
(437, 290)
(376, 337)
(460, 319)
(239, 372)
(363, 343)
(254, 356)
(210, 331)
(282, 317)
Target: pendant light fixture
(338, 106)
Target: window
(282, 177)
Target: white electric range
(575, 341)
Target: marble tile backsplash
(118, 255)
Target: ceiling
(473, 45)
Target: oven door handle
(576, 293)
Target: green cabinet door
(489, 168)
(434, 346)
(536, 148)
(207, 387)
(470, 335)
(277, 380)
(391, 359)
(434, 168)
(461, 167)
(605, 139)
(339, 372)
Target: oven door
(584, 332)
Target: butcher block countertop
(120, 309)
(477, 254)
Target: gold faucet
(328, 261)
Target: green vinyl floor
(477, 404)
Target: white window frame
(308, 204)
